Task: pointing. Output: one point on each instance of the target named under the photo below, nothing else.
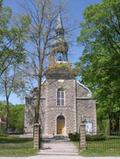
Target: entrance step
(56, 139)
(64, 138)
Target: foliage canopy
(100, 63)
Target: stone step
(56, 139)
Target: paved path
(58, 157)
(58, 150)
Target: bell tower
(59, 51)
(59, 66)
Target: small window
(28, 100)
(60, 56)
(60, 97)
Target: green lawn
(109, 147)
(14, 146)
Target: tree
(11, 38)
(42, 14)
(12, 51)
(2, 109)
(41, 32)
(10, 83)
(99, 65)
(2, 118)
(17, 118)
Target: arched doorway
(61, 125)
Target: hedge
(98, 137)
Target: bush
(74, 136)
(2, 132)
(98, 137)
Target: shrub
(74, 136)
(98, 137)
(2, 132)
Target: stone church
(65, 102)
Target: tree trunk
(7, 113)
(7, 106)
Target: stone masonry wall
(29, 116)
(30, 112)
(78, 104)
(86, 110)
(52, 111)
(81, 91)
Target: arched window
(60, 96)
(60, 56)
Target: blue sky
(75, 9)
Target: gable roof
(88, 90)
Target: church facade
(64, 101)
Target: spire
(59, 24)
(59, 44)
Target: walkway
(65, 148)
(58, 150)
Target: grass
(14, 146)
(109, 147)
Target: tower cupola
(59, 46)
(59, 66)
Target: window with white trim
(60, 97)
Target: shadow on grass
(13, 139)
(15, 146)
(109, 147)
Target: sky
(75, 9)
